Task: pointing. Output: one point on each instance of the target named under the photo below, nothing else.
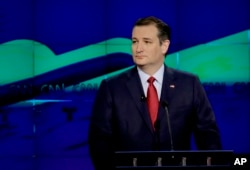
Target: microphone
(165, 105)
(157, 133)
(157, 141)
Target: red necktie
(152, 100)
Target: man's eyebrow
(145, 38)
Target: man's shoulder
(183, 78)
(177, 73)
(181, 75)
(181, 72)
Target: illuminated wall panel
(54, 54)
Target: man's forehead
(145, 27)
(145, 32)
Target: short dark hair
(163, 28)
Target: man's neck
(150, 69)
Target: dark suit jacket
(120, 119)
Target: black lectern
(150, 160)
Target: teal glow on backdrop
(54, 53)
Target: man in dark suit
(121, 118)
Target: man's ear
(164, 46)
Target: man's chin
(140, 62)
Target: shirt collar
(158, 75)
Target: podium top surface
(178, 152)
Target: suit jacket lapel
(135, 89)
(168, 88)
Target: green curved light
(223, 60)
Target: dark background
(51, 133)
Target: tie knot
(151, 80)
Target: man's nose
(139, 48)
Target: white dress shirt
(157, 83)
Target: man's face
(146, 47)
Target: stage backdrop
(54, 53)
